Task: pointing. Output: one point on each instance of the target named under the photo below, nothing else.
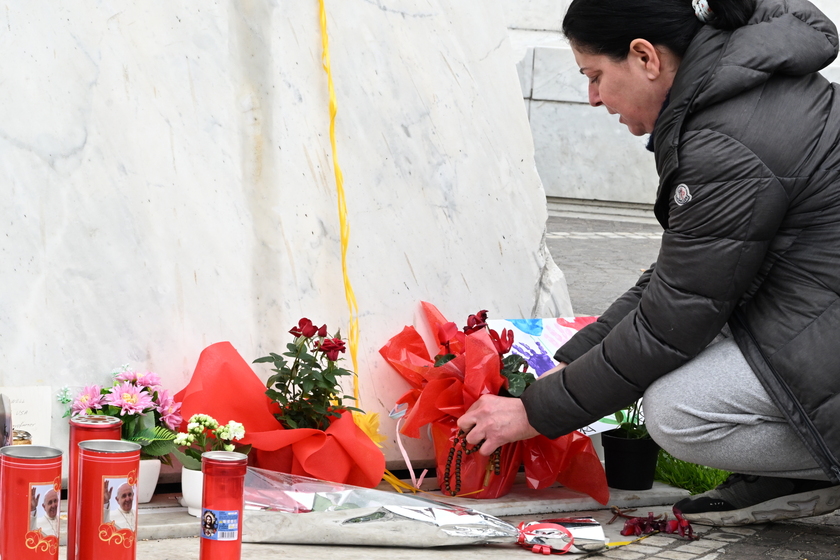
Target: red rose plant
(297, 422)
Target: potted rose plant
(307, 387)
(149, 414)
(299, 421)
(315, 421)
(203, 434)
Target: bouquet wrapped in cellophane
(471, 363)
(290, 509)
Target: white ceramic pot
(192, 486)
(147, 480)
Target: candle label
(220, 525)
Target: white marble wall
(544, 15)
(168, 183)
(582, 153)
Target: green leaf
(307, 386)
(147, 436)
(186, 460)
(147, 422)
(264, 360)
(244, 449)
(516, 386)
(514, 369)
(443, 358)
(158, 448)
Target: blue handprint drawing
(539, 360)
(533, 327)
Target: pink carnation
(148, 379)
(169, 410)
(127, 375)
(89, 399)
(131, 399)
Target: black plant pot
(629, 463)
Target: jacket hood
(790, 37)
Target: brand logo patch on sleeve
(682, 195)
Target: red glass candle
(30, 501)
(107, 516)
(83, 428)
(221, 505)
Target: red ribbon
(534, 531)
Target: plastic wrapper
(287, 509)
(440, 395)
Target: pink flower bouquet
(149, 413)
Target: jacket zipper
(833, 466)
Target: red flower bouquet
(471, 363)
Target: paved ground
(601, 259)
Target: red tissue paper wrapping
(440, 395)
(225, 387)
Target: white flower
(194, 427)
(237, 430)
(182, 439)
(204, 420)
(229, 447)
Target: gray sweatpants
(713, 411)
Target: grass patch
(694, 478)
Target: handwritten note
(31, 411)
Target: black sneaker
(745, 499)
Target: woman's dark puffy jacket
(749, 197)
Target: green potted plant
(203, 434)
(630, 454)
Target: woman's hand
(496, 420)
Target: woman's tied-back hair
(608, 26)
